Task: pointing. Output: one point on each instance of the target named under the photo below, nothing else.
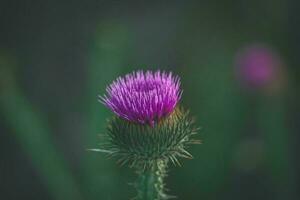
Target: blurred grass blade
(32, 133)
(108, 54)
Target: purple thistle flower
(257, 66)
(143, 97)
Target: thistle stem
(150, 182)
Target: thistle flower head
(143, 97)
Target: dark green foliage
(142, 145)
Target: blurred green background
(57, 56)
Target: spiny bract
(142, 145)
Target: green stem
(150, 182)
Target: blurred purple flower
(257, 66)
(143, 97)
